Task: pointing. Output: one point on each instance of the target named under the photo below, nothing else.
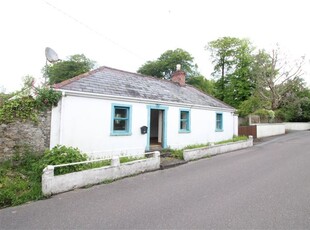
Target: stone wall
(19, 135)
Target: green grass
(234, 139)
(178, 153)
(20, 178)
(196, 146)
(97, 164)
(20, 181)
(129, 159)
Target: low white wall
(192, 154)
(297, 125)
(266, 130)
(56, 184)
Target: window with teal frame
(121, 120)
(219, 122)
(185, 123)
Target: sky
(125, 34)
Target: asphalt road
(263, 187)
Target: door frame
(164, 127)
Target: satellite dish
(51, 55)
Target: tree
(232, 58)
(200, 82)
(275, 76)
(165, 65)
(296, 104)
(63, 70)
(251, 105)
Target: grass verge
(19, 181)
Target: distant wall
(266, 130)
(297, 126)
(18, 135)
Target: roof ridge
(87, 74)
(142, 75)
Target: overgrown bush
(28, 107)
(265, 114)
(63, 155)
(47, 98)
(19, 108)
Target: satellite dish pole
(51, 57)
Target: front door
(157, 129)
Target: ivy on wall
(28, 107)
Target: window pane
(183, 125)
(219, 121)
(184, 114)
(120, 113)
(120, 125)
(184, 120)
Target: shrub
(47, 98)
(265, 114)
(26, 107)
(63, 155)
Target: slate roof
(114, 82)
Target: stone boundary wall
(19, 135)
(193, 154)
(52, 184)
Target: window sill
(120, 134)
(219, 130)
(184, 131)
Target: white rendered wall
(203, 129)
(85, 123)
(55, 125)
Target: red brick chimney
(179, 76)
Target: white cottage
(108, 112)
